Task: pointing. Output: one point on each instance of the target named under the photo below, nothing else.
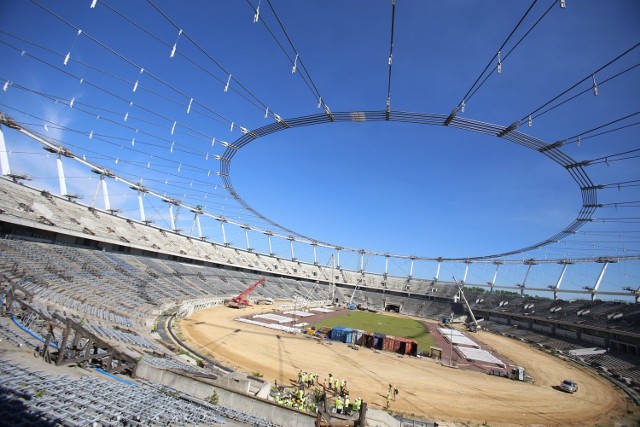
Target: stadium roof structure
(157, 100)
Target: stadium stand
(115, 277)
(35, 398)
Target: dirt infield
(426, 388)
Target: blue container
(342, 334)
(337, 333)
(378, 341)
(348, 335)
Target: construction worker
(347, 408)
(339, 405)
(388, 398)
(395, 392)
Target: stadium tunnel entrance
(395, 308)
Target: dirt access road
(426, 388)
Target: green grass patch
(375, 322)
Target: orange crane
(241, 301)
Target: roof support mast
(61, 180)
(196, 220)
(141, 207)
(171, 217)
(246, 236)
(224, 235)
(466, 272)
(105, 193)
(495, 275)
(315, 254)
(565, 265)
(530, 263)
(269, 234)
(605, 263)
(290, 239)
(333, 280)
(4, 159)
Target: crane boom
(473, 317)
(241, 300)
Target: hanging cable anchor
(595, 85)
(226, 88)
(563, 4)
(499, 63)
(189, 107)
(175, 45)
(295, 65)
(135, 85)
(530, 120)
(256, 15)
(66, 58)
(93, 4)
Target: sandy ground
(426, 388)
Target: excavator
(241, 301)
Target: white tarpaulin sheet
(299, 313)
(269, 325)
(457, 338)
(479, 355)
(274, 317)
(449, 332)
(322, 310)
(461, 340)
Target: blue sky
(386, 187)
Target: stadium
(421, 201)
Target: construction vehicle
(472, 326)
(241, 301)
(569, 386)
